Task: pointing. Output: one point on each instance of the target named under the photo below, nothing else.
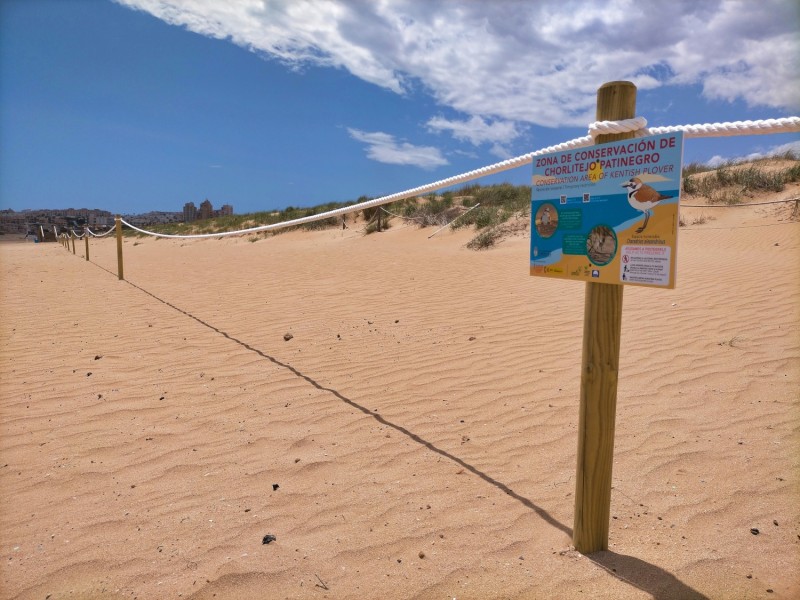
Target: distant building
(70, 218)
(206, 210)
(189, 212)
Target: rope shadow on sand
(543, 514)
(659, 583)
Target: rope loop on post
(622, 126)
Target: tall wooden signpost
(606, 215)
(602, 327)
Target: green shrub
(373, 226)
(485, 239)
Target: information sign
(608, 213)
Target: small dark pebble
(775, 522)
(287, 337)
(268, 538)
(247, 510)
(98, 356)
(472, 339)
(275, 486)
(754, 531)
(749, 576)
(89, 374)
(769, 590)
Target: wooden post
(73, 243)
(86, 238)
(118, 224)
(602, 325)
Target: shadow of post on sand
(660, 584)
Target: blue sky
(143, 105)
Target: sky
(139, 105)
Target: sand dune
(416, 437)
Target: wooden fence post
(118, 224)
(602, 325)
(73, 243)
(86, 238)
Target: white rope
(738, 205)
(637, 124)
(728, 128)
(762, 127)
(623, 126)
(511, 163)
(199, 235)
(93, 234)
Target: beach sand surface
(415, 438)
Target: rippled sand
(415, 438)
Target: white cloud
(476, 130)
(793, 147)
(535, 62)
(383, 147)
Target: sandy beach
(416, 436)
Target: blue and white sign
(608, 213)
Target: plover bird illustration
(642, 197)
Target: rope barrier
(737, 205)
(728, 128)
(637, 124)
(762, 127)
(454, 220)
(93, 234)
(415, 219)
